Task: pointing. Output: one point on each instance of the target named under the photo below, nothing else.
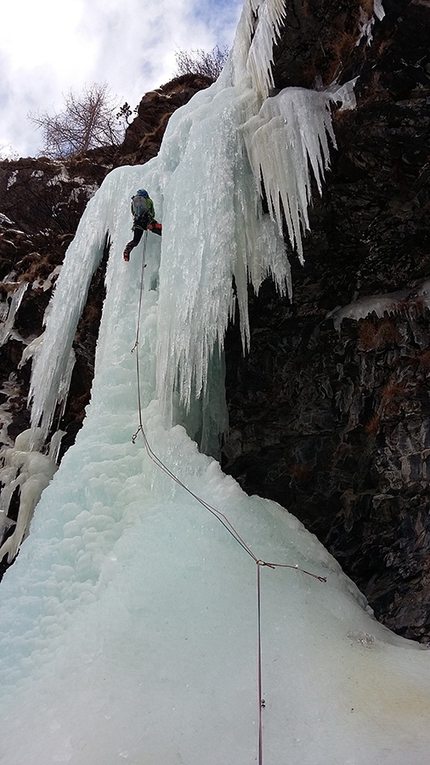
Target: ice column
(54, 360)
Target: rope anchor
(135, 435)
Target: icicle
(250, 10)
(55, 445)
(367, 22)
(378, 9)
(54, 360)
(8, 312)
(287, 140)
(64, 385)
(31, 350)
(218, 234)
(47, 283)
(260, 57)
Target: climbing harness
(221, 517)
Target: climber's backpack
(139, 205)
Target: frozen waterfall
(128, 623)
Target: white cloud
(47, 48)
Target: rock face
(330, 411)
(330, 417)
(143, 137)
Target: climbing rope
(221, 517)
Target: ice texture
(264, 21)
(378, 9)
(367, 22)
(286, 141)
(128, 623)
(416, 299)
(8, 310)
(26, 472)
(54, 360)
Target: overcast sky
(48, 47)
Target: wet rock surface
(334, 424)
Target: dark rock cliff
(329, 412)
(331, 418)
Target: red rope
(259, 668)
(223, 520)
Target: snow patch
(4, 219)
(61, 177)
(12, 179)
(88, 189)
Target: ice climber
(142, 210)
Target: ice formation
(128, 623)
(263, 23)
(8, 310)
(286, 141)
(417, 299)
(367, 22)
(28, 472)
(8, 391)
(378, 9)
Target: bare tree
(88, 120)
(201, 62)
